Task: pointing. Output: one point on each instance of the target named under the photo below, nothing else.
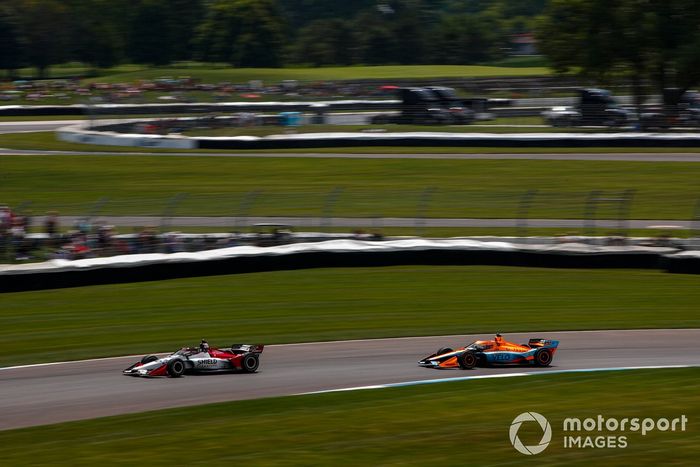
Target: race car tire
(250, 363)
(467, 361)
(176, 368)
(543, 357)
(149, 359)
(443, 350)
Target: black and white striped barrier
(333, 253)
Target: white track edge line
(500, 375)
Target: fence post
(86, 221)
(589, 213)
(244, 208)
(170, 210)
(624, 209)
(329, 206)
(422, 211)
(524, 206)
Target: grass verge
(208, 74)
(461, 423)
(142, 185)
(214, 73)
(330, 304)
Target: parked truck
(680, 109)
(595, 107)
(434, 105)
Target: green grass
(329, 304)
(215, 73)
(276, 75)
(460, 423)
(523, 61)
(371, 187)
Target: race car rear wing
(548, 343)
(254, 348)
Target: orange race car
(539, 352)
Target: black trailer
(595, 107)
(433, 105)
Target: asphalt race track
(51, 393)
(31, 126)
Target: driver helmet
(204, 345)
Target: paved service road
(30, 126)
(46, 394)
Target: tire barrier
(682, 263)
(41, 110)
(334, 253)
(425, 139)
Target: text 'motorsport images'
(538, 352)
(202, 359)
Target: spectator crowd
(88, 239)
(180, 89)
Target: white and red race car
(202, 359)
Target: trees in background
(325, 42)
(150, 33)
(43, 28)
(93, 36)
(258, 33)
(468, 38)
(11, 47)
(646, 42)
(244, 33)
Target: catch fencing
(120, 224)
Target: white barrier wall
(78, 134)
(331, 246)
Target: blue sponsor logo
(502, 357)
